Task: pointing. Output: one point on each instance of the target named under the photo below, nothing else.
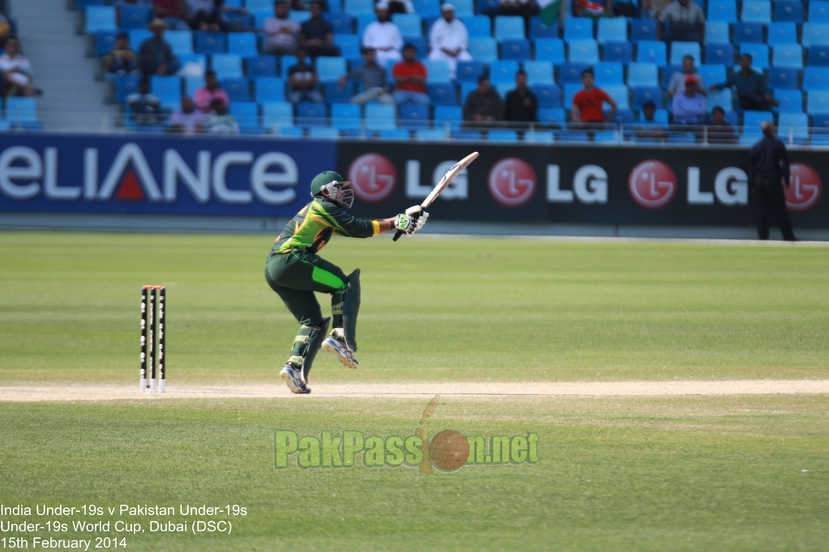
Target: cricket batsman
(294, 270)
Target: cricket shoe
(292, 377)
(340, 350)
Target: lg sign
(805, 188)
(652, 184)
(373, 177)
(512, 182)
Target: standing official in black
(768, 170)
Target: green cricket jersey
(314, 225)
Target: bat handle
(397, 235)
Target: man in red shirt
(410, 79)
(588, 103)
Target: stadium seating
(484, 49)
(516, 49)
(615, 30)
(469, 71)
(783, 77)
(652, 52)
(100, 18)
(818, 11)
(789, 11)
(539, 72)
(643, 30)
(756, 11)
(550, 49)
(816, 78)
(578, 28)
(618, 51)
(747, 32)
(414, 116)
(788, 55)
(782, 33)
(508, 26)
(643, 74)
(583, 51)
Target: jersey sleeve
(345, 224)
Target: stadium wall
(253, 179)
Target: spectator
(483, 107)
(17, 71)
(648, 126)
(173, 13)
(689, 107)
(449, 39)
(155, 57)
(651, 9)
(383, 36)
(588, 103)
(410, 79)
(121, 60)
(593, 9)
(718, 131)
(219, 121)
(212, 16)
(523, 8)
(768, 171)
(751, 87)
(686, 22)
(302, 78)
(146, 108)
(6, 30)
(281, 31)
(521, 103)
(373, 78)
(210, 92)
(187, 120)
(316, 35)
(400, 6)
(676, 84)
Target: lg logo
(373, 177)
(652, 184)
(512, 182)
(805, 188)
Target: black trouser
(771, 200)
(753, 102)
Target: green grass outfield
(614, 473)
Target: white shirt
(382, 35)
(448, 35)
(194, 6)
(17, 62)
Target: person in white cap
(383, 36)
(449, 40)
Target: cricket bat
(447, 179)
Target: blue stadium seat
(578, 28)
(643, 30)
(573, 137)
(818, 12)
(504, 88)
(487, 6)
(414, 116)
(681, 49)
(324, 133)
(100, 18)
(720, 98)
(509, 26)
(421, 44)
(467, 135)
(464, 8)
(503, 71)
(83, 4)
(717, 32)
(484, 49)
(815, 34)
(345, 116)
(342, 22)
(448, 115)
(243, 44)
(286, 131)
(135, 17)
(540, 29)
(124, 86)
(752, 121)
(652, 52)
(137, 37)
(227, 66)
(782, 33)
(166, 88)
(756, 11)
(299, 16)
(794, 125)
(430, 135)
(238, 89)
(335, 94)
(246, 113)
(712, 73)
(517, 49)
(443, 93)
(668, 72)
(620, 93)
(570, 73)
(607, 137)
(539, 72)
(549, 95)
(469, 71)
(261, 66)
(747, 32)
(583, 51)
(409, 24)
(615, 30)
(720, 54)
(790, 11)
(570, 90)
(552, 116)
(21, 110)
(466, 89)
(478, 26)
(330, 68)
(310, 114)
(255, 5)
(788, 55)
(539, 137)
(821, 121)
(426, 7)
(783, 77)
(259, 18)
(180, 41)
(618, 51)
(191, 84)
(349, 45)
(722, 10)
(609, 72)
(394, 134)
(363, 21)
(682, 138)
(198, 59)
(791, 101)
(278, 114)
(240, 20)
(359, 7)
(643, 74)
(380, 117)
(550, 49)
(437, 70)
(269, 89)
(642, 94)
(502, 136)
(759, 55)
(104, 41)
(819, 56)
(210, 43)
(816, 78)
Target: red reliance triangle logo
(130, 189)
